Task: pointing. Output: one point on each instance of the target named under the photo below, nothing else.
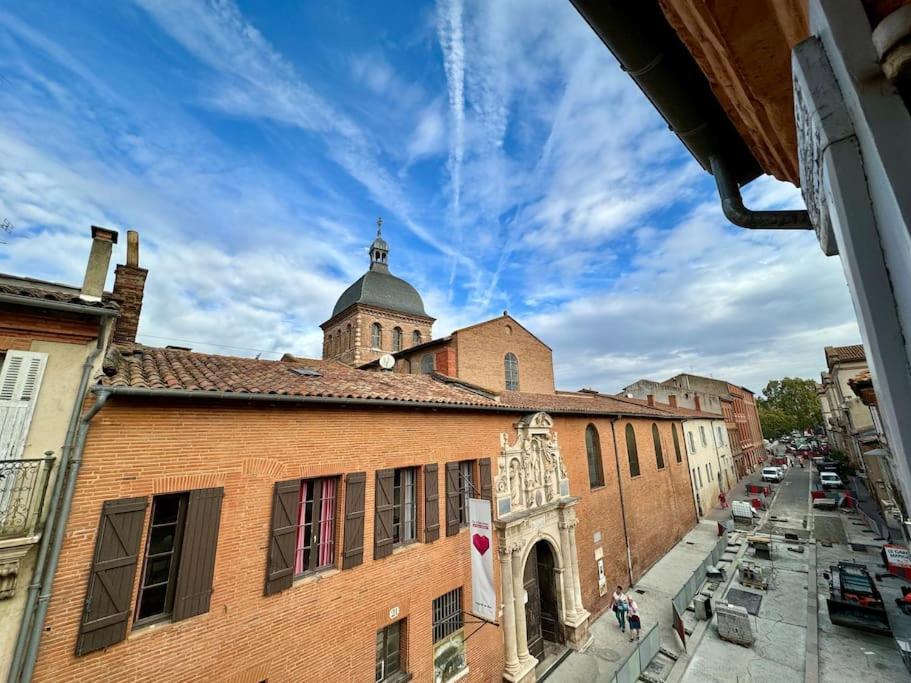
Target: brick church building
(246, 520)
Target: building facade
(849, 422)
(246, 520)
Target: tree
(787, 404)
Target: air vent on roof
(304, 371)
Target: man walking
(620, 605)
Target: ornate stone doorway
(536, 531)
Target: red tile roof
(164, 370)
(38, 290)
(844, 354)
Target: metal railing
(640, 658)
(23, 486)
(691, 588)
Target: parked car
(775, 474)
(830, 480)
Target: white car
(830, 480)
(772, 474)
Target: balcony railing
(23, 487)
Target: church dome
(378, 287)
(383, 290)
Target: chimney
(129, 283)
(96, 271)
(651, 399)
(697, 402)
(672, 399)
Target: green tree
(787, 404)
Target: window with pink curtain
(316, 525)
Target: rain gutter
(31, 301)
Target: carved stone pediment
(530, 472)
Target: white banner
(483, 595)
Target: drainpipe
(49, 524)
(629, 556)
(66, 504)
(717, 457)
(738, 214)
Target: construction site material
(734, 624)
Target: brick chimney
(96, 270)
(697, 401)
(651, 399)
(672, 399)
(129, 284)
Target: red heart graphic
(482, 543)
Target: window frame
(466, 489)
(183, 498)
(449, 609)
(398, 339)
(677, 454)
(376, 336)
(315, 487)
(383, 634)
(593, 455)
(511, 371)
(416, 338)
(705, 442)
(632, 451)
(399, 509)
(692, 441)
(424, 363)
(659, 450)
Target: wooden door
(550, 620)
(533, 606)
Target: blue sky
(253, 145)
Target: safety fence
(691, 588)
(640, 658)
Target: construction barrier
(640, 658)
(691, 588)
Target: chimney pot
(132, 248)
(96, 270)
(672, 399)
(651, 399)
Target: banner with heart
(483, 594)
(482, 543)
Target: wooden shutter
(353, 553)
(382, 523)
(110, 592)
(431, 503)
(280, 569)
(20, 380)
(452, 498)
(197, 553)
(486, 487)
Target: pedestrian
(635, 623)
(620, 604)
(724, 500)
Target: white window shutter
(20, 381)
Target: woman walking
(635, 624)
(620, 604)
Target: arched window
(511, 364)
(326, 347)
(676, 443)
(396, 339)
(416, 337)
(659, 454)
(338, 342)
(426, 363)
(632, 453)
(376, 336)
(349, 338)
(593, 450)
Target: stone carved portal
(533, 504)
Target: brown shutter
(197, 553)
(486, 488)
(382, 523)
(110, 592)
(431, 503)
(280, 570)
(452, 498)
(353, 553)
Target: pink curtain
(327, 523)
(301, 529)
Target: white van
(830, 480)
(772, 474)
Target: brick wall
(129, 284)
(324, 629)
(481, 350)
(19, 326)
(356, 348)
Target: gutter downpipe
(629, 556)
(738, 214)
(49, 526)
(31, 653)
